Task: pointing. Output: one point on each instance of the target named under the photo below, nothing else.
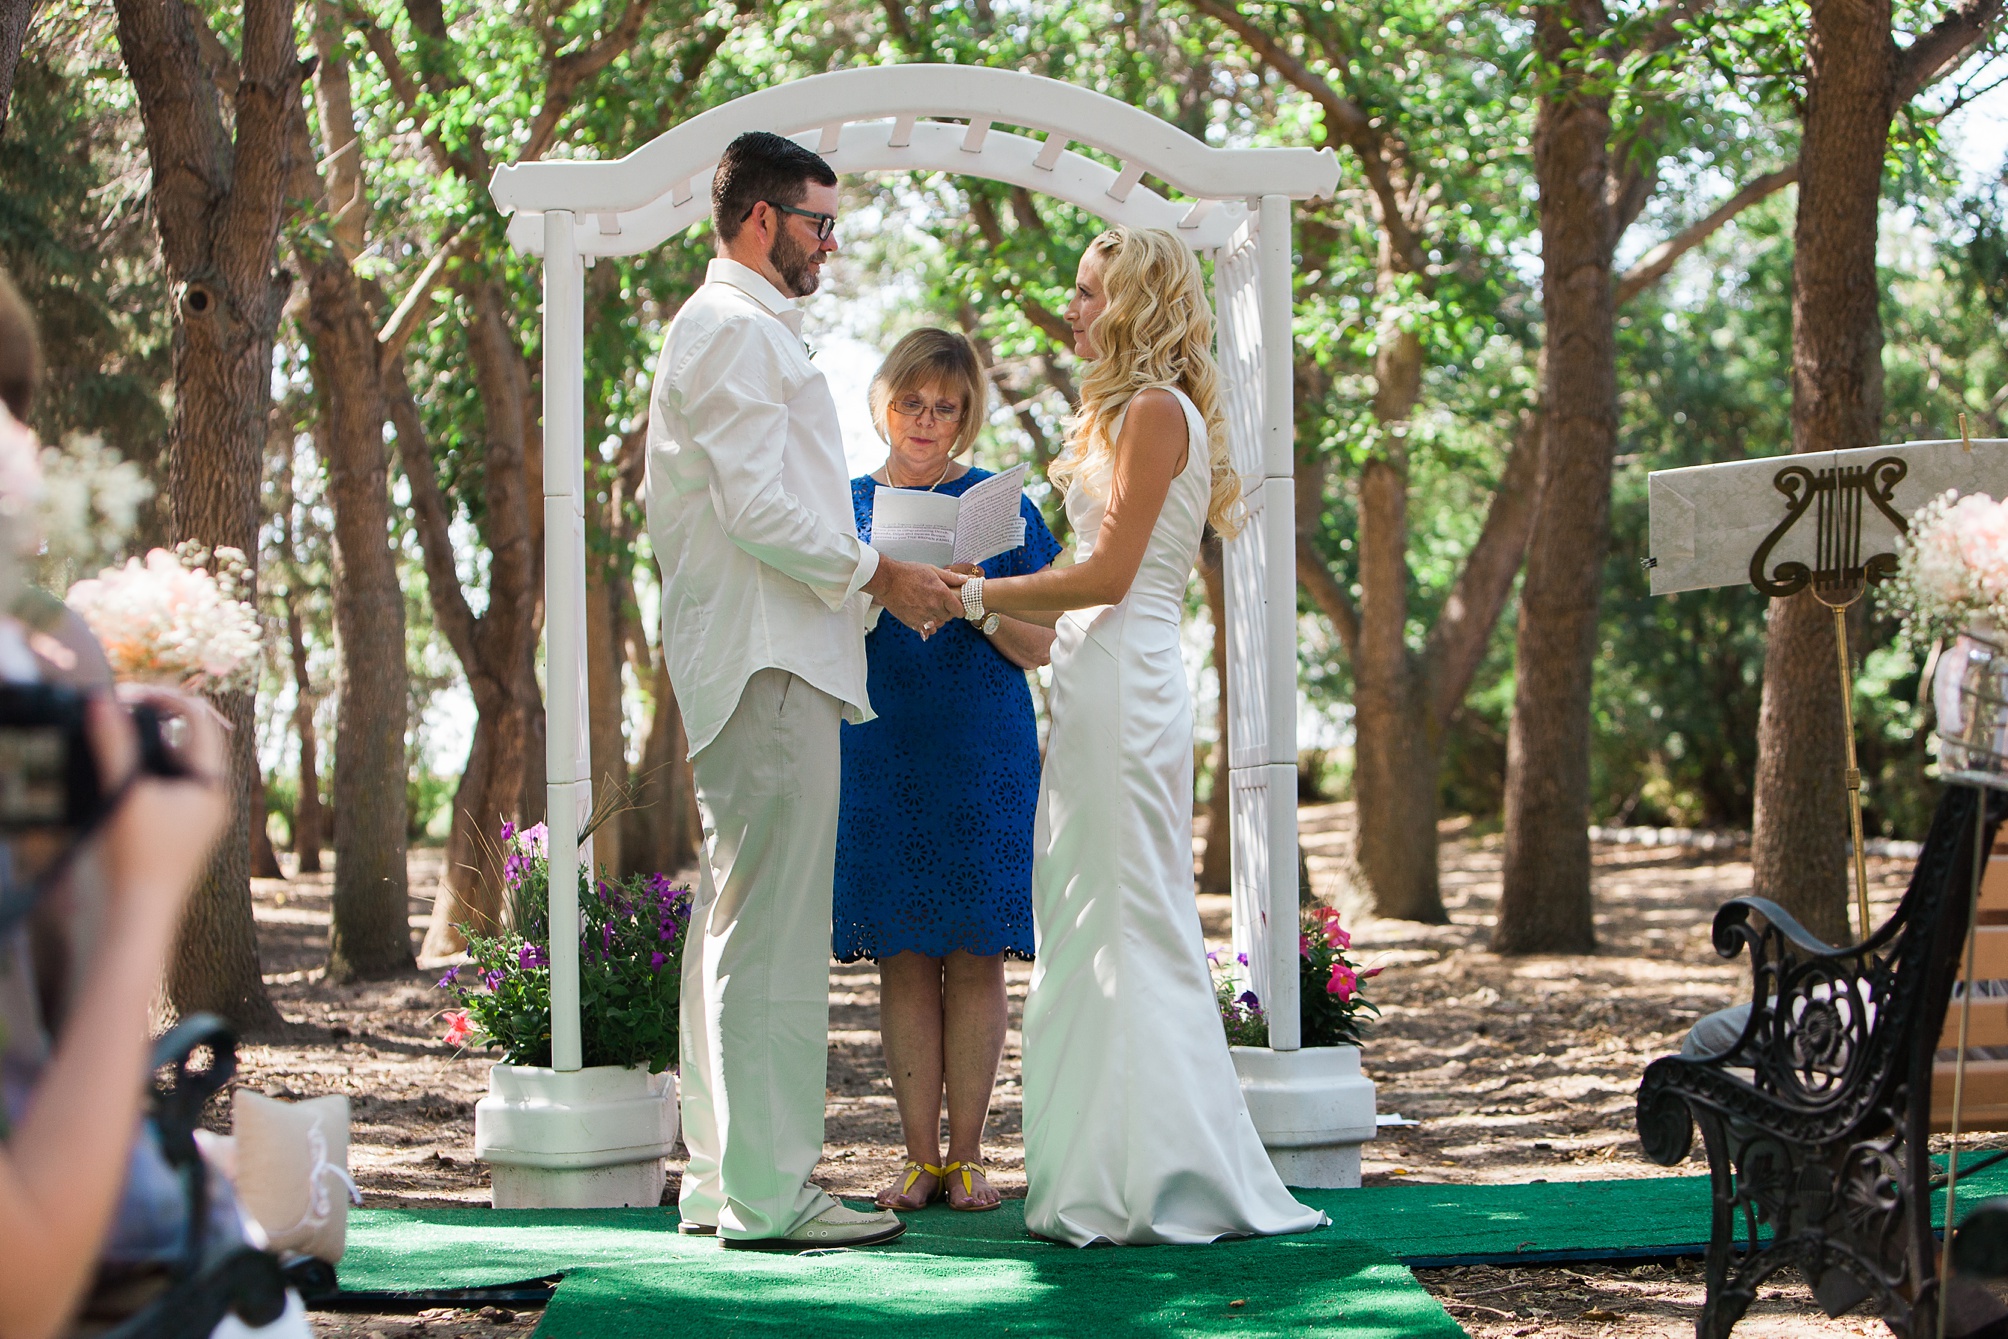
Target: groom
(764, 585)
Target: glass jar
(1970, 691)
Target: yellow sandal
(914, 1171)
(968, 1170)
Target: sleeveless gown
(1135, 1129)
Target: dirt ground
(1515, 1069)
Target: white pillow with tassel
(292, 1171)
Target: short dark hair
(20, 351)
(762, 166)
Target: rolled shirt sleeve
(729, 388)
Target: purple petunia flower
(452, 975)
(656, 960)
(494, 979)
(1241, 958)
(531, 955)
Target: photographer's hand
(158, 838)
(62, 1165)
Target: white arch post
(945, 119)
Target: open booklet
(921, 527)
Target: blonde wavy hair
(1157, 330)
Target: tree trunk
(309, 825)
(663, 830)
(497, 651)
(369, 934)
(218, 201)
(1546, 906)
(15, 16)
(1216, 863)
(603, 679)
(1799, 844)
(264, 860)
(1398, 746)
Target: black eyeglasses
(825, 223)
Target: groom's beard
(795, 264)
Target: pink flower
(1303, 946)
(458, 1029)
(1343, 982)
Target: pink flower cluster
(1345, 978)
(1952, 566)
(162, 621)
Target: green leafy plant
(1331, 1009)
(631, 937)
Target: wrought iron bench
(1817, 1153)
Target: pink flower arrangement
(1952, 566)
(167, 620)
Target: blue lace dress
(934, 838)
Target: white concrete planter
(593, 1138)
(1313, 1109)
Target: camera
(49, 776)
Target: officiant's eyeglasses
(825, 223)
(945, 412)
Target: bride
(1135, 1130)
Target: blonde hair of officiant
(1157, 330)
(932, 356)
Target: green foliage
(631, 941)
(76, 238)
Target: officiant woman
(934, 843)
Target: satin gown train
(1135, 1129)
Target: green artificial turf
(981, 1273)
(950, 1274)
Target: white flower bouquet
(171, 620)
(1952, 567)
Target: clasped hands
(924, 597)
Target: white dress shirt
(749, 506)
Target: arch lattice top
(870, 120)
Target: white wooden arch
(945, 118)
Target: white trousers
(755, 1025)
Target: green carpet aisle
(974, 1273)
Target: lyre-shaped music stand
(1838, 497)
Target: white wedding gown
(1135, 1130)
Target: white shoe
(835, 1226)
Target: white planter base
(627, 1185)
(593, 1138)
(1313, 1109)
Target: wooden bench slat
(1994, 887)
(1989, 1025)
(1986, 1098)
(1990, 954)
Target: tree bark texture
(663, 829)
(1398, 744)
(606, 736)
(369, 935)
(15, 16)
(218, 200)
(495, 650)
(1546, 905)
(1798, 847)
(1216, 860)
(308, 821)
